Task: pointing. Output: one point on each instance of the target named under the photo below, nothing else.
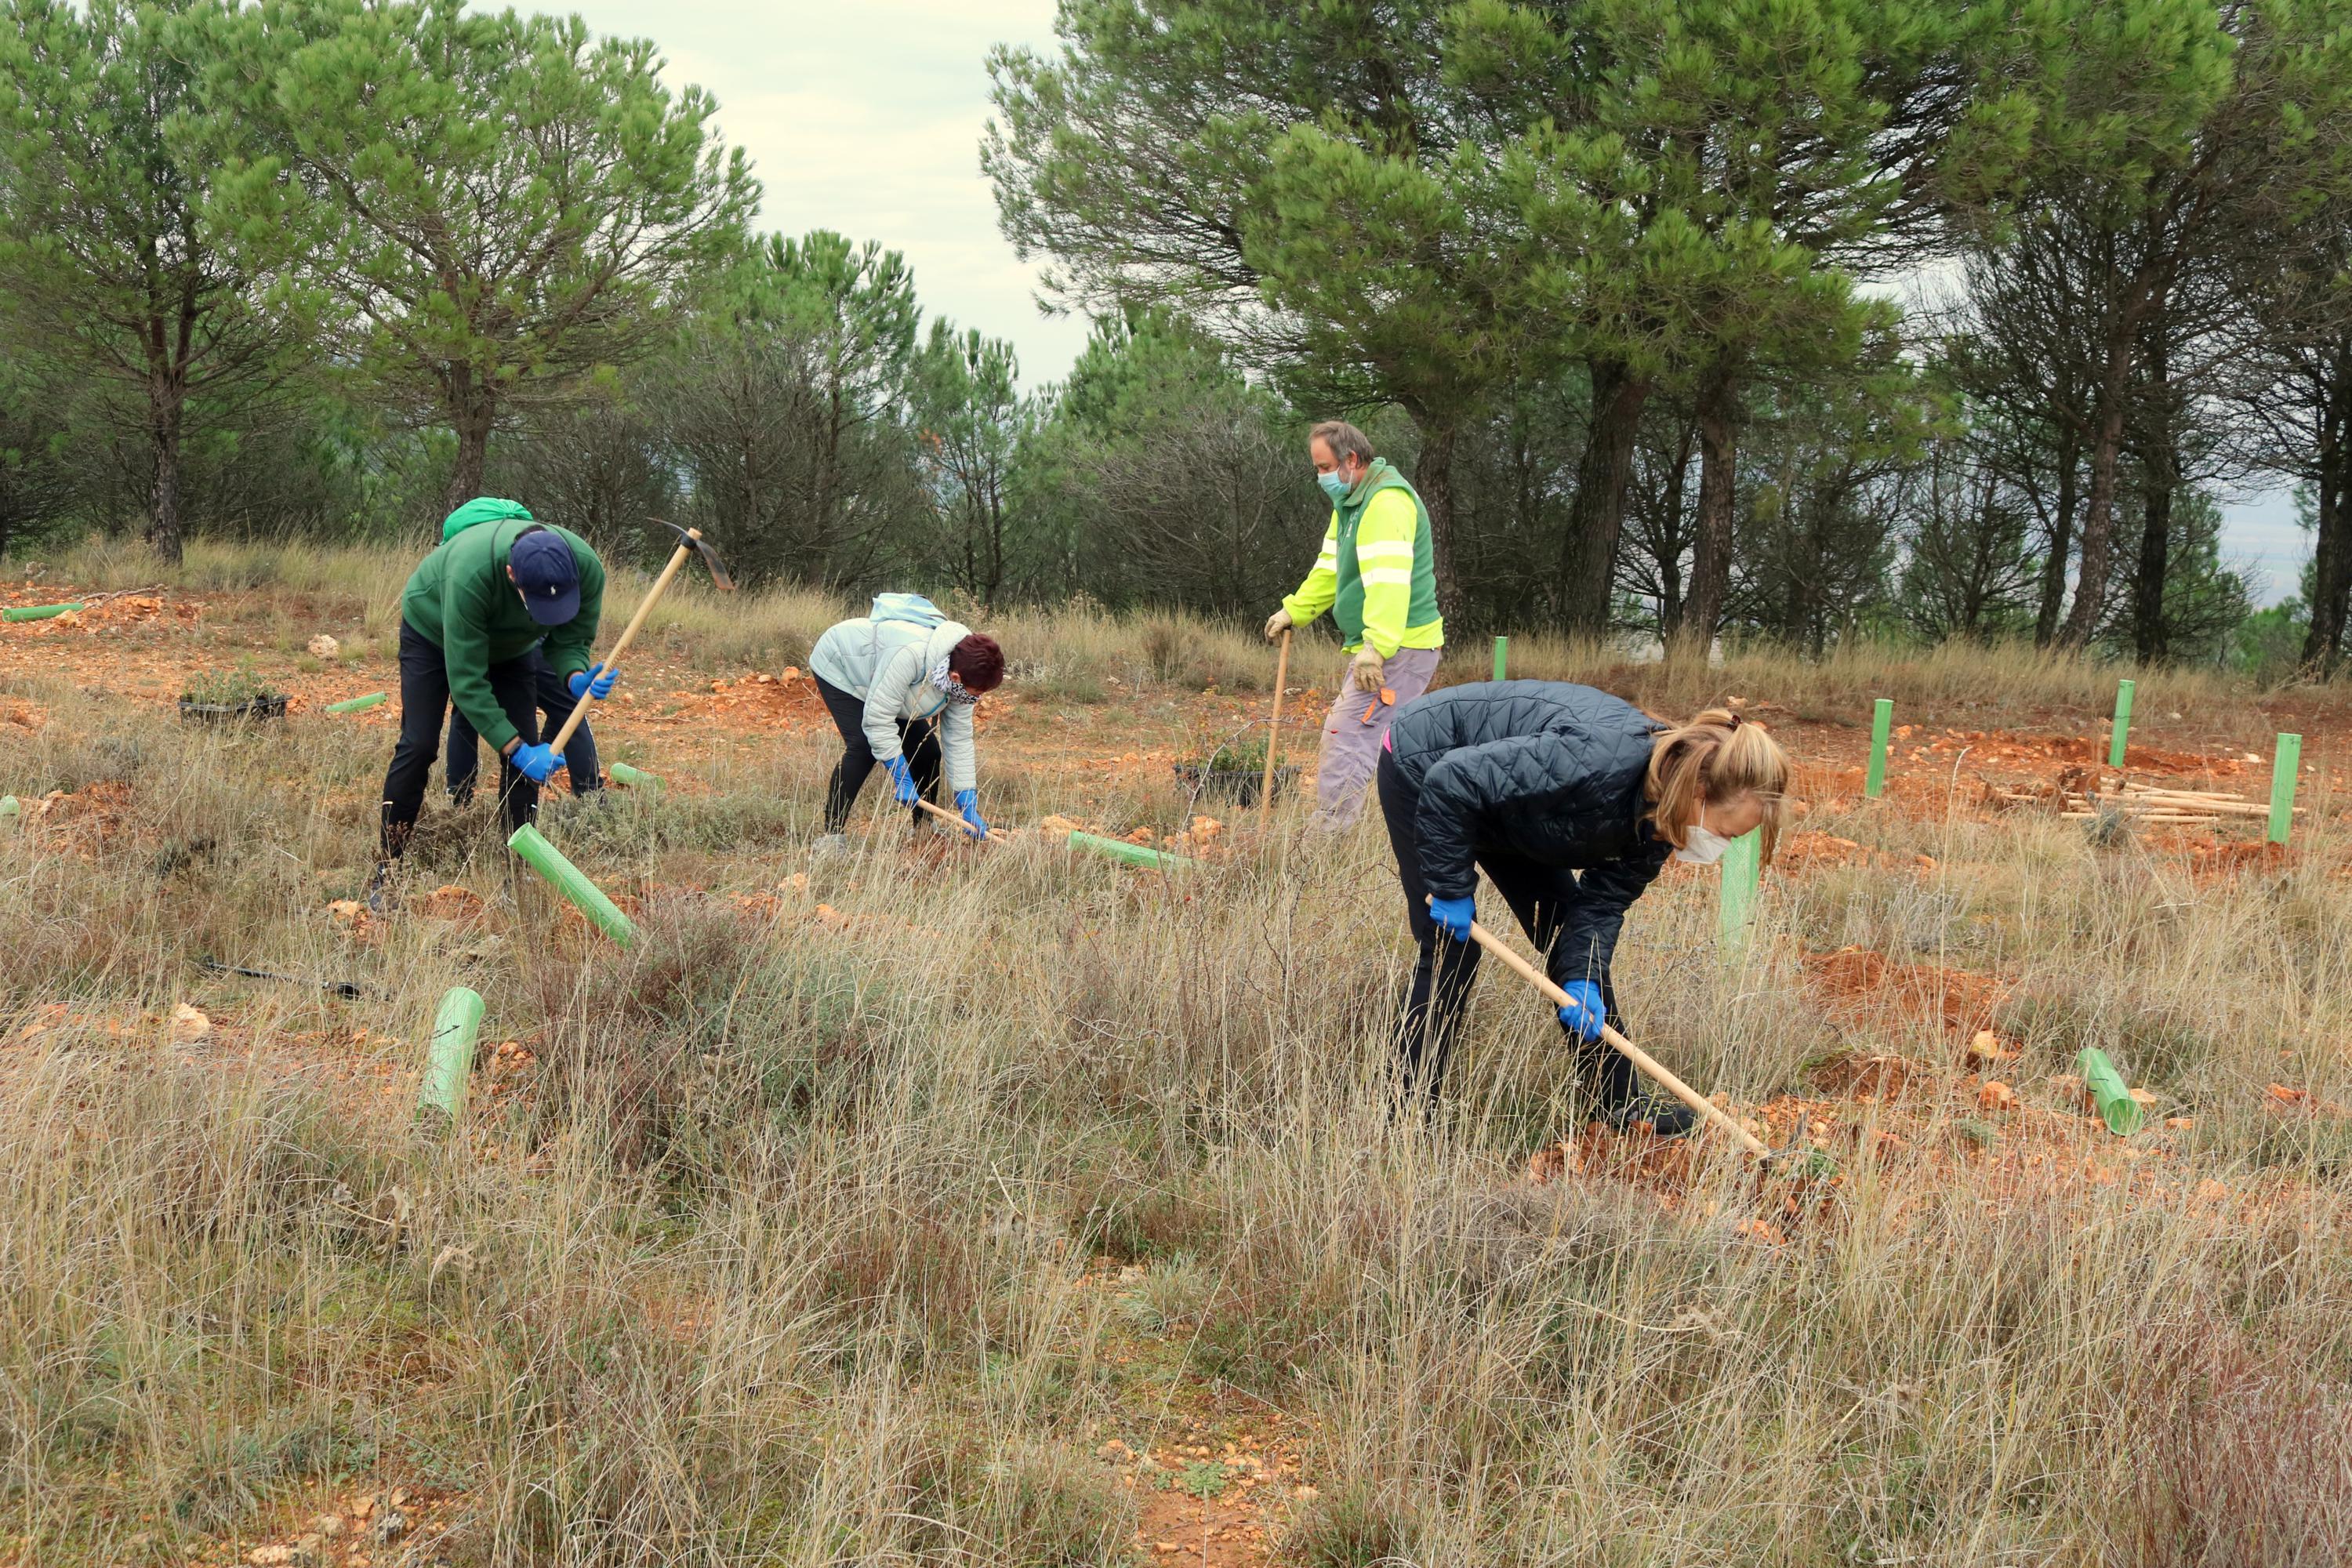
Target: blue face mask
(1335, 484)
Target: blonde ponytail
(1717, 756)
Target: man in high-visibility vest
(1376, 578)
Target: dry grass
(786, 1251)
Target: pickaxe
(689, 543)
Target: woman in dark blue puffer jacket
(1569, 800)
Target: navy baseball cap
(548, 576)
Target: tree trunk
(2062, 542)
(2331, 555)
(1670, 568)
(1588, 562)
(2099, 507)
(1711, 553)
(473, 409)
(1433, 480)
(164, 410)
(2159, 479)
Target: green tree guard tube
(2285, 762)
(36, 612)
(564, 877)
(354, 704)
(1741, 867)
(2123, 724)
(11, 806)
(633, 778)
(1133, 854)
(1502, 647)
(451, 1058)
(2108, 1091)
(1881, 726)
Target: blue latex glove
(1453, 916)
(1584, 1013)
(902, 777)
(536, 763)
(596, 683)
(967, 802)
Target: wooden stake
(1274, 723)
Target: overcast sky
(865, 116)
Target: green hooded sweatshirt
(461, 599)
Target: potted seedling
(230, 696)
(1235, 770)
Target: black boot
(1622, 1101)
(1665, 1117)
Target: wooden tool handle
(1274, 724)
(945, 814)
(644, 608)
(1706, 1107)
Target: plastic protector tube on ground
(354, 704)
(2108, 1091)
(451, 1057)
(1133, 854)
(631, 778)
(36, 612)
(565, 878)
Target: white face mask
(1701, 848)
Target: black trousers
(423, 703)
(464, 757)
(920, 740)
(1541, 897)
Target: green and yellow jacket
(1375, 575)
(461, 599)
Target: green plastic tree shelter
(1133, 854)
(2285, 762)
(1742, 867)
(633, 778)
(1502, 653)
(37, 612)
(2123, 724)
(356, 704)
(2108, 1091)
(451, 1058)
(1882, 727)
(564, 877)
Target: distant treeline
(1615, 282)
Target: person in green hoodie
(504, 596)
(1377, 578)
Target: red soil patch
(1860, 982)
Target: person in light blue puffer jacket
(900, 684)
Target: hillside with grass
(1006, 1205)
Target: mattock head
(692, 539)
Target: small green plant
(1237, 756)
(1202, 1478)
(228, 688)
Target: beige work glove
(1276, 623)
(1364, 674)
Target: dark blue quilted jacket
(1542, 769)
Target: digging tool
(689, 543)
(944, 815)
(1706, 1109)
(1273, 723)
